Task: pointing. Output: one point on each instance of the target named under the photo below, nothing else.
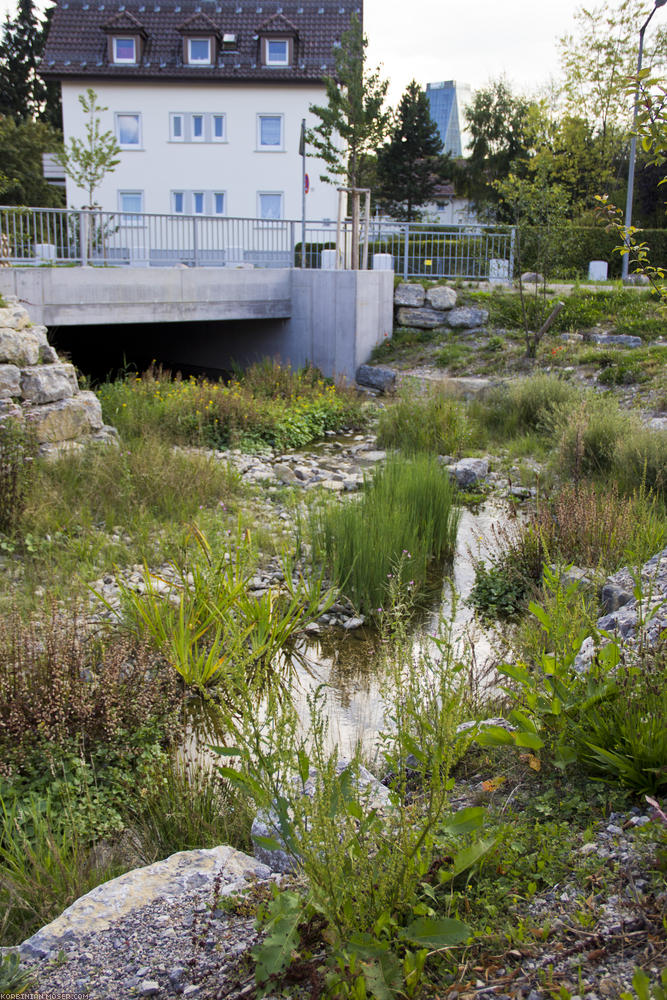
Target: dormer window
(277, 51)
(124, 50)
(199, 51)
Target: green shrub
(17, 457)
(526, 406)
(432, 422)
(404, 519)
(591, 435)
(641, 457)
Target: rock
(371, 457)
(409, 295)
(466, 317)
(469, 471)
(110, 902)
(441, 297)
(14, 316)
(657, 423)
(465, 387)
(636, 279)
(614, 596)
(19, 348)
(382, 379)
(10, 381)
(285, 474)
(48, 383)
(47, 355)
(532, 278)
(353, 623)
(620, 339)
(149, 988)
(422, 319)
(66, 419)
(266, 824)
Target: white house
(205, 98)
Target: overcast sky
(473, 41)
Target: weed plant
(405, 520)
(528, 406)
(432, 423)
(267, 406)
(17, 459)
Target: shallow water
(347, 663)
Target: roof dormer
(126, 39)
(201, 41)
(277, 42)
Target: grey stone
(467, 317)
(409, 295)
(66, 419)
(371, 457)
(469, 471)
(149, 988)
(353, 623)
(618, 339)
(42, 384)
(14, 316)
(441, 297)
(532, 278)
(10, 381)
(377, 377)
(423, 318)
(47, 355)
(614, 596)
(18, 347)
(636, 279)
(285, 474)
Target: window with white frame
(276, 52)
(177, 128)
(270, 204)
(218, 128)
(128, 130)
(124, 50)
(270, 132)
(199, 51)
(131, 202)
(197, 128)
(198, 202)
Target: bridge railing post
(83, 237)
(195, 246)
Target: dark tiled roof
(77, 43)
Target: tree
(539, 211)
(502, 128)
(410, 166)
(22, 146)
(599, 58)
(23, 93)
(354, 124)
(88, 162)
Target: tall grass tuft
(433, 423)
(404, 520)
(528, 406)
(17, 455)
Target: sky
(472, 41)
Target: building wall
(236, 167)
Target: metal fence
(42, 236)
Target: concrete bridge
(330, 318)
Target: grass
(386, 541)
(432, 422)
(527, 406)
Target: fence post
(406, 237)
(293, 244)
(195, 247)
(512, 239)
(83, 237)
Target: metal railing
(43, 236)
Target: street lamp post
(633, 141)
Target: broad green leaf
(494, 736)
(522, 720)
(470, 855)
(530, 740)
(435, 934)
(465, 820)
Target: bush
(17, 455)
(433, 423)
(386, 540)
(527, 406)
(591, 435)
(268, 405)
(641, 457)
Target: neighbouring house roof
(77, 45)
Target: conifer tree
(410, 166)
(24, 95)
(354, 123)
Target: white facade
(214, 148)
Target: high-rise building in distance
(448, 101)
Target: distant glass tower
(448, 101)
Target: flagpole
(302, 150)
